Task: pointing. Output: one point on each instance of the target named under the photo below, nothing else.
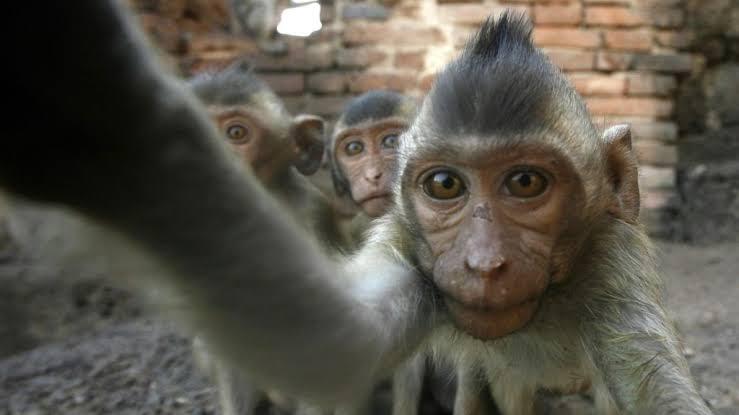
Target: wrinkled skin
(491, 227)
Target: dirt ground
(83, 347)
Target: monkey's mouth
(487, 323)
(374, 196)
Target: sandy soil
(83, 348)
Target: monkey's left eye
(353, 148)
(237, 132)
(444, 185)
(526, 183)
(390, 141)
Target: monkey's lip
(488, 323)
(374, 196)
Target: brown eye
(526, 184)
(353, 148)
(390, 141)
(237, 133)
(444, 185)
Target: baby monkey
(363, 147)
(281, 149)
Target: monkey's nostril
(486, 266)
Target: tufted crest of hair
(237, 84)
(500, 84)
(373, 105)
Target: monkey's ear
(307, 134)
(623, 174)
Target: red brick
(464, 13)
(460, 35)
(220, 42)
(641, 83)
(359, 57)
(580, 38)
(629, 40)
(328, 82)
(571, 60)
(630, 106)
(613, 16)
(557, 14)
(655, 153)
(614, 61)
(656, 177)
(415, 60)
(362, 33)
(608, 1)
(285, 84)
(596, 84)
(163, 31)
(655, 199)
(364, 82)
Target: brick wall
(621, 55)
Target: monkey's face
(366, 156)
(253, 142)
(491, 226)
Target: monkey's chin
(376, 206)
(487, 323)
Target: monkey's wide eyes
(237, 132)
(444, 185)
(526, 183)
(390, 141)
(353, 148)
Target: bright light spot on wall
(300, 20)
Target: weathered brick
(571, 60)
(667, 18)
(596, 84)
(614, 61)
(655, 153)
(644, 83)
(673, 39)
(607, 1)
(362, 33)
(220, 42)
(613, 16)
(558, 14)
(294, 104)
(363, 82)
(658, 199)
(326, 106)
(664, 131)
(162, 30)
(630, 106)
(285, 84)
(359, 57)
(656, 177)
(580, 38)
(328, 13)
(462, 34)
(415, 60)
(666, 62)
(319, 56)
(628, 40)
(327, 82)
(474, 14)
(468, 13)
(364, 10)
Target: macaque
(513, 237)
(363, 146)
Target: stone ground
(79, 346)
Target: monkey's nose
(487, 265)
(374, 175)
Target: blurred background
(72, 343)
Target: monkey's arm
(629, 335)
(119, 141)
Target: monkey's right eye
(353, 148)
(238, 133)
(444, 185)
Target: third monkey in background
(363, 147)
